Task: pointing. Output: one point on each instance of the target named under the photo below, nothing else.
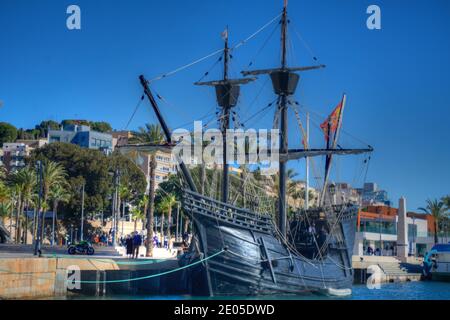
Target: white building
(13, 154)
(378, 228)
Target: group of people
(101, 240)
(320, 236)
(132, 243)
(388, 251)
(371, 252)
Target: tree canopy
(94, 169)
(8, 133)
(100, 126)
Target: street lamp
(82, 212)
(414, 237)
(115, 222)
(37, 245)
(178, 218)
(71, 233)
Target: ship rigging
(311, 251)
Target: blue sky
(396, 78)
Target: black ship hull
(255, 260)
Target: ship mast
(284, 81)
(283, 127)
(225, 123)
(166, 130)
(307, 164)
(227, 94)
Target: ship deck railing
(219, 210)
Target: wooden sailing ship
(260, 254)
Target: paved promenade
(27, 251)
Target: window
(412, 231)
(162, 159)
(386, 227)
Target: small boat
(436, 264)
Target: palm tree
(14, 184)
(446, 221)
(446, 201)
(23, 183)
(143, 203)
(14, 199)
(167, 204)
(162, 209)
(58, 193)
(6, 204)
(290, 175)
(151, 207)
(52, 174)
(138, 214)
(28, 191)
(296, 194)
(152, 133)
(438, 211)
(6, 201)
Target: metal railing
(375, 229)
(196, 203)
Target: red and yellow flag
(332, 121)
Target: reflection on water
(418, 290)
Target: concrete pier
(390, 269)
(31, 278)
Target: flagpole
(333, 146)
(341, 115)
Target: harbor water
(417, 290)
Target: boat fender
(339, 292)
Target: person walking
(129, 246)
(137, 241)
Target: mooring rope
(126, 280)
(154, 275)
